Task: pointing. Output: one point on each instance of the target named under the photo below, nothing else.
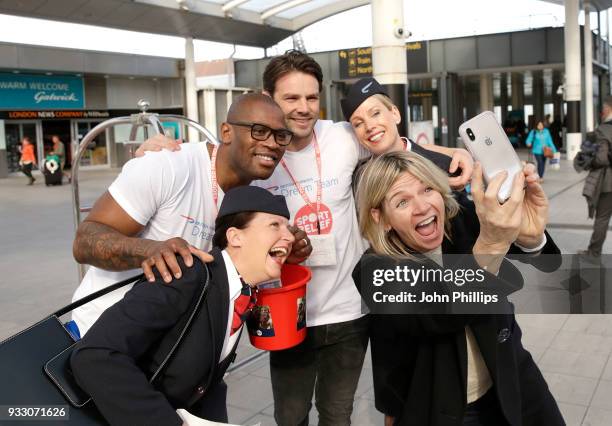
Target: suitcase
(52, 170)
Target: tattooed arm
(107, 239)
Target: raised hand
(162, 255)
(157, 143)
(535, 210)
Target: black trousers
(602, 220)
(27, 170)
(328, 363)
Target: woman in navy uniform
(115, 359)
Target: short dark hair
(244, 103)
(222, 224)
(292, 60)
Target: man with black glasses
(165, 203)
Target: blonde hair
(386, 100)
(376, 180)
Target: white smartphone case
(491, 147)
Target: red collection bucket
(279, 316)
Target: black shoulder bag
(36, 382)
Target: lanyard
(213, 176)
(319, 183)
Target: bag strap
(67, 387)
(194, 311)
(96, 294)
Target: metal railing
(144, 120)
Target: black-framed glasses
(262, 132)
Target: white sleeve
(143, 186)
(363, 152)
(534, 249)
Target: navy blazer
(419, 361)
(115, 359)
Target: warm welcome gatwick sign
(24, 91)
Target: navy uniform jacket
(419, 361)
(124, 347)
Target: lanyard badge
(323, 245)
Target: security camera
(400, 32)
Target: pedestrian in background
(598, 185)
(28, 158)
(60, 150)
(542, 146)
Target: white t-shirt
(331, 294)
(170, 193)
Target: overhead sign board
(357, 63)
(40, 92)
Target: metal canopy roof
(261, 23)
(600, 5)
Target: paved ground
(38, 275)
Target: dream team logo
(199, 228)
(189, 219)
(306, 220)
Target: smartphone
(488, 144)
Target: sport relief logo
(199, 228)
(306, 220)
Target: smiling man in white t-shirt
(165, 204)
(315, 176)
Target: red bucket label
(260, 323)
(301, 313)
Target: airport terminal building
(518, 75)
(53, 91)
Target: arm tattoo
(104, 247)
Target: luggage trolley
(142, 119)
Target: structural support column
(518, 91)
(389, 53)
(209, 106)
(588, 68)
(503, 96)
(486, 92)
(191, 93)
(572, 77)
(557, 98)
(443, 109)
(537, 78)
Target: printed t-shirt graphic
(306, 219)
